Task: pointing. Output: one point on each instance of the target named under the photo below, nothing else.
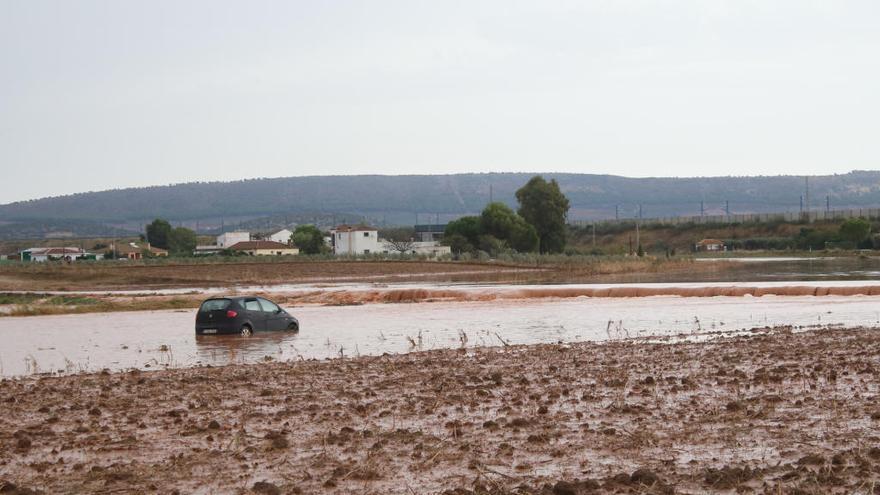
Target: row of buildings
(128, 250)
(344, 240)
(348, 240)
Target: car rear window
(215, 305)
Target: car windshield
(214, 305)
(268, 306)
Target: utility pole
(702, 208)
(727, 207)
(807, 196)
(802, 205)
(638, 237)
(828, 203)
(640, 212)
(594, 234)
(617, 212)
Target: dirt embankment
(46, 304)
(351, 297)
(174, 274)
(133, 275)
(777, 412)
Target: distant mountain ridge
(401, 199)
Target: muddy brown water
(160, 339)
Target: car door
(275, 318)
(255, 313)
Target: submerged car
(243, 316)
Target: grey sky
(97, 95)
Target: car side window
(268, 306)
(252, 305)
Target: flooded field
(792, 268)
(160, 339)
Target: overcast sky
(97, 95)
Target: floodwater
(790, 269)
(160, 339)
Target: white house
(710, 245)
(355, 239)
(57, 253)
(227, 239)
(264, 248)
(282, 236)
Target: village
(343, 240)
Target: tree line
(181, 241)
(539, 225)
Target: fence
(789, 216)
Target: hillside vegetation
(397, 199)
(621, 238)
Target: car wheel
(293, 327)
(246, 331)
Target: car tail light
(231, 314)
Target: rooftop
(709, 241)
(245, 245)
(55, 251)
(354, 228)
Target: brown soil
(774, 412)
(121, 275)
(174, 274)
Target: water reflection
(785, 269)
(237, 349)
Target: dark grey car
(242, 315)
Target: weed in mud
(8, 298)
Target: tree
(468, 228)
(182, 240)
(458, 244)
(496, 229)
(543, 205)
(399, 239)
(499, 221)
(855, 231)
(158, 232)
(309, 239)
(491, 244)
(402, 246)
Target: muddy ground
(773, 412)
(185, 273)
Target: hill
(426, 198)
